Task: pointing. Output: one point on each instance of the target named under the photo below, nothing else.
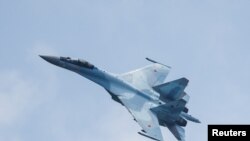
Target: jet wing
(146, 77)
(139, 107)
(177, 131)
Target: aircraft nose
(51, 59)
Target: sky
(206, 41)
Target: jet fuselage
(151, 104)
(110, 82)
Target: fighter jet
(143, 92)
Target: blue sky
(206, 41)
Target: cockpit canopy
(78, 62)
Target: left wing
(139, 107)
(146, 77)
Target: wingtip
(153, 61)
(150, 60)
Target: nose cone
(51, 59)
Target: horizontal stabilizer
(172, 106)
(177, 131)
(173, 90)
(189, 117)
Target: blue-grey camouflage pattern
(151, 101)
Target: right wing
(175, 107)
(139, 107)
